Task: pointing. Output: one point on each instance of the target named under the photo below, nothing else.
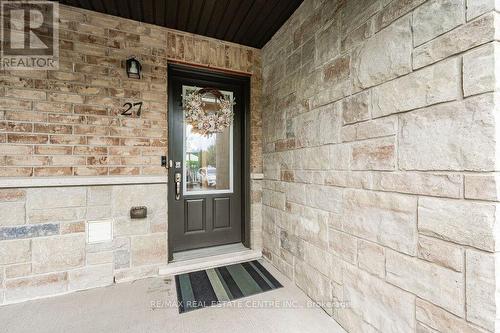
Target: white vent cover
(99, 231)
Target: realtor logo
(30, 35)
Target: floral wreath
(203, 122)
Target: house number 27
(128, 109)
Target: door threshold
(208, 252)
(186, 263)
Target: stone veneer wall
(380, 138)
(66, 123)
(43, 250)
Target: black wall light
(133, 68)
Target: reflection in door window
(207, 158)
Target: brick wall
(67, 122)
(380, 138)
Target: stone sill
(17, 182)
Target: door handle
(177, 185)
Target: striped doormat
(212, 286)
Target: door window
(208, 159)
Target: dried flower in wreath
(208, 122)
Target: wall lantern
(133, 68)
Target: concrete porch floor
(142, 306)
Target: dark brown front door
(206, 177)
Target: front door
(206, 177)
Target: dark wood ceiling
(247, 22)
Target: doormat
(222, 284)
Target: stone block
(295, 192)
(463, 38)
(99, 212)
(394, 10)
(58, 253)
(327, 44)
(440, 185)
(442, 321)
(256, 241)
(274, 199)
(336, 82)
(135, 273)
(2, 291)
(431, 282)
(385, 218)
(90, 277)
(313, 227)
(436, 17)
(125, 226)
(371, 258)
(118, 243)
(429, 137)
(385, 307)
(99, 195)
(12, 194)
(98, 258)
(481, 288)
(339, 157)
(375, 154)
(314, 284)
(442, 253)
(381, 127)
(434, 84)
(327, 198)
(307, 135)
(72, 227)
(390, 49)
(356, 13)
(318, 258)
(482, 187)
(35, 286)
(56, 197)
(458, 221)
(56, 215)
(356, 108)
(29, 231)
(17, 270)
(291, 244)
(329, 119)
(121, 259)
(421, 328)
(354, 179)
(351, 321)
(149, 249)
(127, 196)
(12, 213)
(476, 8)
(481, 70)
(15, 251)
(342, 245)
(356, 36)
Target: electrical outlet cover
(100, 231)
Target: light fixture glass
(133, 68)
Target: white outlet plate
(100, 231)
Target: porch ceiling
(248, 22)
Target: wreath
(208, 122)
